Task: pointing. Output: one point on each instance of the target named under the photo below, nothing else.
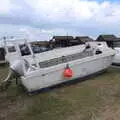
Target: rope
(6, 82)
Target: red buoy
(68, 72)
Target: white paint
(35, 79)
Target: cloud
(5, 6)
(81, 17)
(77, 16)
(75, 10)
(63, 11)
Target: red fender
(68, 73)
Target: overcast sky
(44, 18)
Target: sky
(42, 19)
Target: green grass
(97, 98)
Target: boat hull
(54, 75)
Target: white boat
(20, 48)
(12, 50)
(60, 65)
(116, 47)
(113, 42)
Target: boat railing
(65, 59)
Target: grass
(97, 98)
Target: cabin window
(39, 49)
(88, 47)
(36, 49)
(98, 52)
(99, 44)
(24, 50)
(11, 49)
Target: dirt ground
(97, 98)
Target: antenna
(67, 33)
(67, 39)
